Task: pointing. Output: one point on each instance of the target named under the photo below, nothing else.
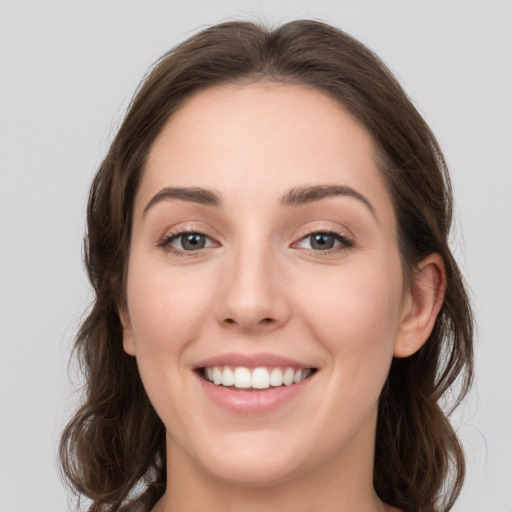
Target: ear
(128, 344)
(421, 305)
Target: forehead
(263, 138)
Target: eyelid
(186, 226)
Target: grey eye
(322, 241)
(191, 241)
(187, 241)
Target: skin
(258, 285)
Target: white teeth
(288, 376)
(260, 378)
(242, 377)
(256, 378)
(228, 379)
(217, 375)
(276, 377)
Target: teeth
(288, 376)
(228, 379)
(256, 378)
(276, 377)
(260, 378)
(217, 375)
(242, 378)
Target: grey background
(67, 71)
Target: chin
(256, 473)
(254, 461)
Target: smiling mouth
(260, 378)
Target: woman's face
(264, 248)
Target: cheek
(168, 312)
(354, 313)
(166, 307)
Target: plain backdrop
(67, 71)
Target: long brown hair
(114, 446)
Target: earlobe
(425, 300)
(128, 344)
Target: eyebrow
(308, 194)
(295, 197)
(191, 194)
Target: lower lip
(252, 401)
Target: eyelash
(344, 242)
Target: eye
(324, 241)
(187, 242)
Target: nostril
(248, 322)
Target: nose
(253, 293)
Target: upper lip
(250, 361)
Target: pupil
(192, 241)
(322, 241)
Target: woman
(277, 313)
